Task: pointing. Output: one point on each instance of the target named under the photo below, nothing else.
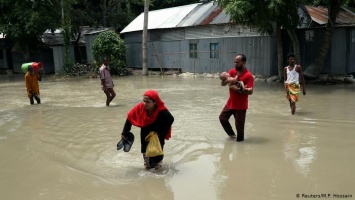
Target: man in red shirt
(237, 103)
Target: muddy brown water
(65, 148)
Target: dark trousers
(110, 95)
(33, 95)
(239, 117)
(152, 161)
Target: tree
(80, 15)
(66, 27)
(263, 15)
(160, 4)
(116, 13)
(97, 13)
(109, 45)
(24, 21)
(285, 14)
(313, 71)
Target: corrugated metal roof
(320, 16)
(181, 16)
(56, 37)
(210, 13)
(221, 18)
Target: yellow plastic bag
(154, 147)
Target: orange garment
(293, 91)
(32, 83)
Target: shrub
(109, 45)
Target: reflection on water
(302, 155)
(65, 148)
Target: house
(198, 38)
(201, 38)
(82, 52)
(51, 51)
(341, 59)
(5, 54)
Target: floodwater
(65, 148)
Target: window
(214, 51)
(193, 50)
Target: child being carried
(233, 83)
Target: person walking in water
(31, 79)
(106, 82)
(237, 103)
(150, 115)
(292, 75)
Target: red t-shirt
(240, 101)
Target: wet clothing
(161, 125)
(105, 74)
(292, 84)
(239, 116)
(240, 101)
(292, 75)
(293, 90)
(32, 83)
(160, 121)
(237, 106)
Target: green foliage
(67, 29)
(118, 14)
(252, 13)
(261, 14)
(160, 4)
(285, 13)
(24, 21)
(325, 3)
(109, 45)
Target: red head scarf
(138, 114)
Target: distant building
(341, 57)
(202, 38)
(83, 51)
(5, 54)
(51, 52)
(198, 38)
